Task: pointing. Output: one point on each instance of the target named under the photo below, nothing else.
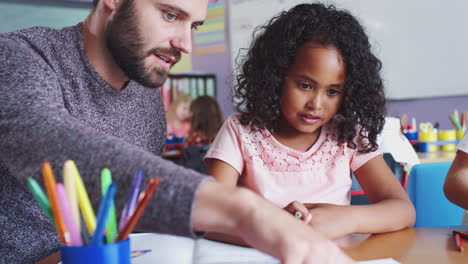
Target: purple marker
(132, 201)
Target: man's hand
(240, 212)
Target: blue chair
(193, 157)
(425, 189)
(358, 197)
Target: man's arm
(238, 211)
(456, 183)
(35, 127)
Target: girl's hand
(299, 211)
(332, 220)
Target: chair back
(193, 157)
(358, 197)
(425, 189)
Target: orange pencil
(463, 120)
(50, 186)
(131, 223)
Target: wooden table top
(436, 156)
(409, 246)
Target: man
(89, 93)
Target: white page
(181, 250)
(211, 252)
(380, 261)
(164, 249)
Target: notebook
(160, 248)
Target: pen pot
(411, 136)
(447, 135)
(460, 133)
(116, 253)
(429, 141)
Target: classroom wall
(15, 15)
(435, 109)
(23, 14)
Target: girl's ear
(112, 4)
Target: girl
(311, 105)
(177, 116)
(205, 121)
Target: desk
(436, 156)
(172, 154)
(410, 246)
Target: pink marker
(67, 214)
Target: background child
(312, 104)
(178, 114)
(456, 183)
(205, 121)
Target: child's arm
(391, 209)
(456, 183)
(227, 175)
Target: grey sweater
(53, 107)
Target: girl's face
(183, 111)
(312, 91)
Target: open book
(149, 248)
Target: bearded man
(90, 93)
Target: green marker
(40, 196)
(111, 226)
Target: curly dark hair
(258, 85)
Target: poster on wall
(211, 37)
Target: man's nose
(183, 40)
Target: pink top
(179, 131)
(281, 174)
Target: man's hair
(95, 2)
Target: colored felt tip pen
(83, 200)
(40, 196)
(111, 226)
(131, 223)
(132, 200)
(68, 218)
(103, 214)
(70, 187)
(50, 184)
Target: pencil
(49, 182)
(133, 220)
(458, 242)
(463, 120)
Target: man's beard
(125, 43)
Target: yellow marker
(83, 200)
(69, 181)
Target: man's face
(146, 37)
